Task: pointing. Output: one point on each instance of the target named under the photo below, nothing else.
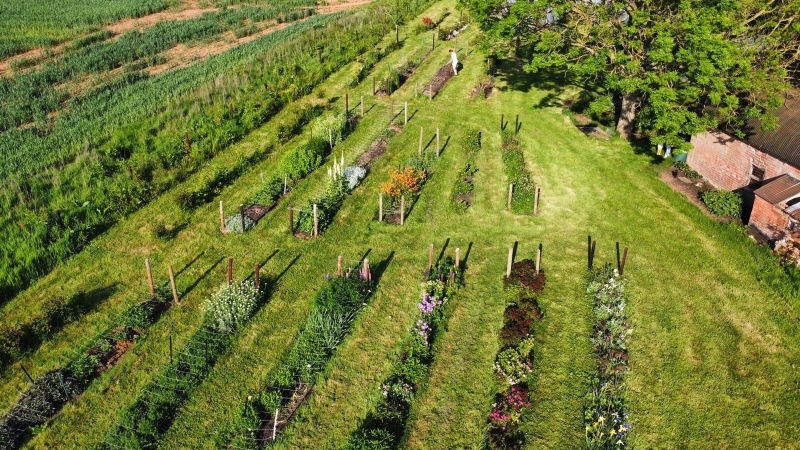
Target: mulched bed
(485, 87)
(256, 212)
(376, 149)
(595, 132)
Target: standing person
(454, 60)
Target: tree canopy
(679, 66)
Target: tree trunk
(627, 114)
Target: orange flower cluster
(403, 182)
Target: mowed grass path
(714, 351)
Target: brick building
(764, 167)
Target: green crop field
(711, 349)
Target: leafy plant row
(385, 427)
(227, 311)
(217, 101)
(334, 308)
(513, 365)
(49, 392)
(518, 175)
(605, 416)
(462, 190)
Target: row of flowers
(336, 306)
(384, 428)
(514, 363)
(606, 419)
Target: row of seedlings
(523, 194)
(523, 283)
(385, 427)
(266, 415)
(606, 419)
(49, 392)
(227, 311)
(461, 197)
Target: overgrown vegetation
(524, 191)
(464, 185)
(723, 203)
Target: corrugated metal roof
(784, 142)
(780, 189)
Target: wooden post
(624, 258)
(536, 201)
(230, 270)
(150, 277)
(316, 222)
(221, 217)
(538, 258)
(172, 283)
(26, 373)
(430, 256)
(346, 104)
(257, 276)
(339, 266)
(373, 85)
(437, 142)
(510, 195)
(502, 122)
(241, 213)
(188, 144)
(402, 209)
(362, 106)
(619, 264)
(291, 220)
(380, 207)
(510, 261)
(275, 424)
(405, 113)
(458, 258)
(516, 125)
(421, 132)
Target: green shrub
(688, 171)
(141, 315)
(269, 192)
(341, 294)
(723, 203)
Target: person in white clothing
(454, 59)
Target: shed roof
(782, 143)
(780, 189)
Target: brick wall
(769, 219)
(726, 161)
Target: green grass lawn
(714, 347)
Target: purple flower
(328, 277)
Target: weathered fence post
(624, 258)
(402, 209)
(536, 201)
(421, 132)
(347, 104)
(241, 213)
(405, 113)
(339, 266)
(316, 222)
(538, 258)
(221, 217)
(149, 277)
(230, 270)
(510, 261)
(291, 220)
(380, 207)
(430, 256)
(458, 258)
(510, 195)
(172, 284)
(275, 424)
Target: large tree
(679, 67)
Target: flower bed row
(513, 365)
(518, 175)
(605, 416)
(335, 307)
(384, 428)
(50, 392)
(393, 78)
(406, 184)
(462, 190)
(227, 311)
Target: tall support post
(430, 256)
(339, 266)
(346, 104)
(230, 270)
(405, 113)
(172, 284)
(538, 258)
(536, 201)
(316, 222)
(150, 278)
(458, 258)
(510, 261)
(257, 276)
(402, 209)
(241, 214)
(380, 207)
(510, 196)
(221, 217)
(275, 424)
